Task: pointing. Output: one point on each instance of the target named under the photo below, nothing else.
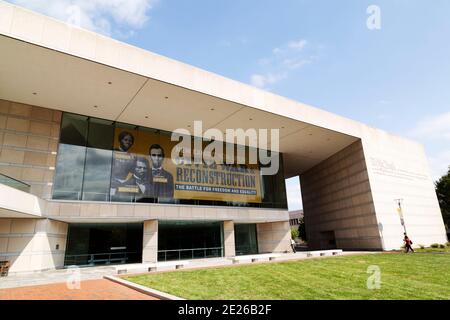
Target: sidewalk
(89, 290)
(93, 273)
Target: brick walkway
(89, 290)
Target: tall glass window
(101, 160)
(68, 179)
(179, 240)
(97, 172)
(245, 239)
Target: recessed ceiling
(68, 83)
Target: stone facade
(228, 239)
(150, 241)
(338, 205)
(274, 237)
(32, 244)
(28, 145)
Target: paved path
(53, 276)
(89, 290)
(96, 273)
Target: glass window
(97, 172)
(101, 160)
(68, 179)
(245, 239)
(179, 240)
(100, 134)
(74, 129)
(97, 175)
(95, 244)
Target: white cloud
(261, 81)
(297, 45)
(437, 127)
(103, 16)
(434, 133)
(295, 63)
(277, 51)
(283, 60)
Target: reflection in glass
(97, 161)
(96, 244)
(69, 172)
(245, 239)
(74, 129)
(97, 175)
(179, 240)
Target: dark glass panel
(97, 175)
(91, 244)
(74, 129)
(69, 172)
(101, 134)
(245, 239)
(189, 240)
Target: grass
(403, 276)
(446, 249)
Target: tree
(443, 194)
(294, 234)
(302, 229)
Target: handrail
(14, 183)
(93, 258)
(192, 251)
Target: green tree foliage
(294, 233)
(302, 229)
(443, 194)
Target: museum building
(87, 175)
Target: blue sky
(319, 52)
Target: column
(228, 238)
(150, 242)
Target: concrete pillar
(150, 241)
(274, 237)
(228, 238)
(33, 244)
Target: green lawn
(403, 276)
(429, 249)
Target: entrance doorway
(245, 239)
(179, 240)
(103, 244)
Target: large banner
(142, 168)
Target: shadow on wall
(32, 244)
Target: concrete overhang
(19, 204)
(48, 63)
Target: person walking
(408, 244)
(293, 245)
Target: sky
(319, 52)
